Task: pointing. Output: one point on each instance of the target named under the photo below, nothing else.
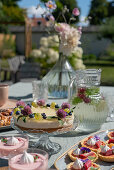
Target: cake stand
(40, 139)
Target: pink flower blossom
(80, 30)
(50, 5)
(65, 105)
(27, 109)
(20, 103)
(62, 27)
(51, 18)
(41, 102)
(61, 113)
(76, 12)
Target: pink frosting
(40, 164)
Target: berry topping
(87, 164)
(48, 105)
(31, 115)
(86, 100)
(61, 113)
(111, 141)
(56, 106)
(41, 102)
(18, 112)
(81, 90)
(70, 113)
(53, 105)
(4, 140)
(29, 104)
(35, 157)
(109, 152)
(44, 115)
(16, 109)
(98, 144)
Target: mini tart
(69, 166)
(93, 148)
(73, 157)
(106, 158)
(111, 144)
(111, 135)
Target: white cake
(43, 117)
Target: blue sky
(31, 5)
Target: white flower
(78, 52)
(36, 53)
(53, 56)
(44, 42)
(79, 64)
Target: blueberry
(70, 113)
(56, 106)
(29, 104)
(31, 115)
(48, 105)
(18, 112)
(44, 115)
(11, 113)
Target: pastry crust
(73, 158)
(69, 166)
(106, 158)
(109, 135)
(83, 143)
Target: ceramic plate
(63, 160)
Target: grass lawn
(107, 74)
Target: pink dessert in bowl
(32, 159)
(11, 143)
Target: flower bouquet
(59, 76)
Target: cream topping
(26, 158)
(105, 149)
(77, 151)
(91, 142)
(12, 141)
(78, 164)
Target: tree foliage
(71, 4)
(111, 9)
(10, 2)
(98, 11)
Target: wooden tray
(63, 160)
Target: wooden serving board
(4, 168)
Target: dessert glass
(6, 149)
(41, 163)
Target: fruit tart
(80, 164)
(93, 142)
(107, 154)
(111, 135)
(82, 153)
(110, 143)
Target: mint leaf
(76, 100)
(19, 117)
(92, 168)
(24, 119)
(52, 117)
(61, 122)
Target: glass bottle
(89, 105)
(59, 77)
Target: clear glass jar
(59, 77)
(89, 105)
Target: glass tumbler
(88, 104)
(40, 160)
(39, 90)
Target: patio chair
(14, 65)
(28, 72)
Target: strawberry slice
(83, 156)
(111, 141)
(109, 152)
(87, 164)
(98, 144)
(90, 137)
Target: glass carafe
(88, 104)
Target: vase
(87, 102)
(59, 77)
